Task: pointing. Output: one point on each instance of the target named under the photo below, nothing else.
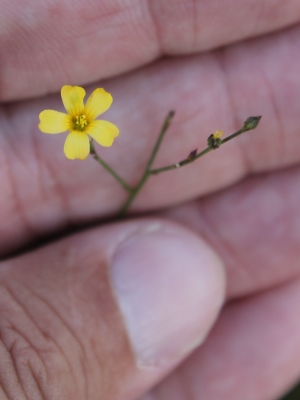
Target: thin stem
(239, 132)
(108, 168)
(147, 173)
(161, 135)
(201, 154)
(133, 194)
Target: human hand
(113, 310)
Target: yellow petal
(77, 145)
(72, 97)
(98, 102)
(218, 134)
(54, 121)
(103, 132)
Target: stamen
(80, 122)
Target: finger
(105, 313)
(252, 353)
(48, 45)
(254, 227)
(207, 97)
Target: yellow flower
(218, 134)
(80, 121)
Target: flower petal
(77, 145)
(103, 132)
(98, 102)
(54, 121)
(72, 97)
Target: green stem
(133, 194)
(147, 173)
(180, 163)
(108, 168)
(202, 153)
(239, 132)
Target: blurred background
(294, 394)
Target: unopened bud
(192, 155)
(214, 140)
(251, 122)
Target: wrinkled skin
(220, 243)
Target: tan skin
(62, 331)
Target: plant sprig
(214, 141)
(80, 119)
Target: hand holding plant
(194, 292)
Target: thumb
(106, 313)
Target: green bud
(214, 143)
(251, 123)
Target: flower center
(80, 122)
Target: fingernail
(169, 286)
